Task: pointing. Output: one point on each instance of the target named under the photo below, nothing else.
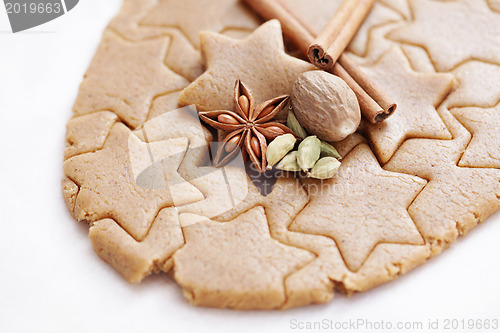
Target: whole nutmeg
(325, 105)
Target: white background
(52, 281)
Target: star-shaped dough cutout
(224, 187)
(126, 21)
(484, 149)
(193, 16)
(376, 44)
(456, 199)
(238, 264)
(87, 133)
(453, 31)
(401, 7)
(126, 24)
(358, 217)
(136, 260)
(124, 77)
(108, 185)
(417, 95)
(228, 191)
(478, 85)
(379, 15)
(258, 60)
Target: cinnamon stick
(293, 28)
(338, 33)
(375, 104)
(371, 88)
(301, 34)
(369, 108)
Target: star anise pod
(249, 127)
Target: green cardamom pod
(308, 152)
(325, 168)
(289, 162)
(329, 150)
(295, 126)
(278, 148)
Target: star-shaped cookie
(135, 260)
(258, 60)
(484, 124)
(417, 95)
(359, 217)
(88, 132)
(124, 77)
(238, 264)
(453, 31)
(109, 188)
(193, 16)
(456, 199)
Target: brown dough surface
(136, 166)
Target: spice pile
(322, 104)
